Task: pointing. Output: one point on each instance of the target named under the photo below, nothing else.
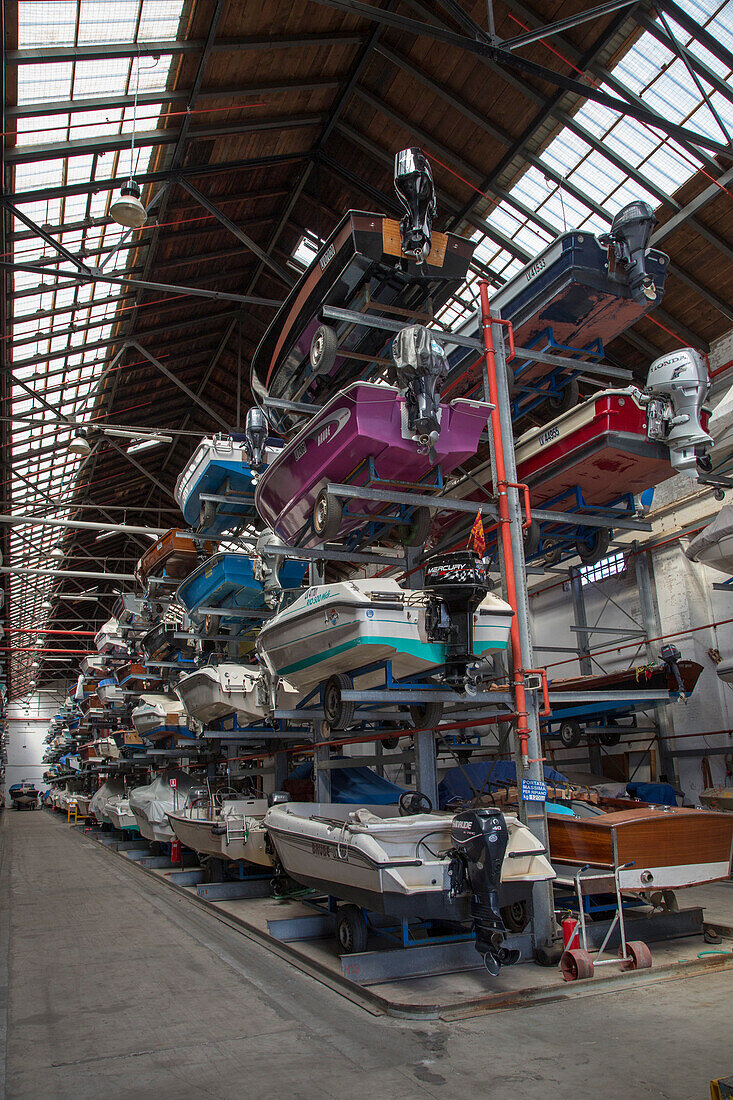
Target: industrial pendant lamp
(79, 444)
(127, 209)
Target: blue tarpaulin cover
(462, 783)
(357, 786)
(660, 794)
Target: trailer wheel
(567, 399)
(531, 536)
(610, 736)
(593, 549)
(390, 742)
(639, 956)
(339, 714)
(418, 529)
(515, 916)
(324, 346)
(576, 965)
(570, 733)
(426, 715)
(552, 552)
(207, 513)
(351, 930)
(327, 514)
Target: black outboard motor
(413, 183)
(480, 837)
(421, 368)
(458, 584)
(256, 430)
(670, 654)
(629, 237)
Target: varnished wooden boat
(668, 847)
(648, 677)
(172, 557)
(717, 798)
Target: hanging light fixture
(79, 444)
(47, 605)
(127, 209)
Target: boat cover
(357, 786)
(460, 784)
(720, 528)
(659, 794)
(159, 798)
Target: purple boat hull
(363, 422)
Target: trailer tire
(327, 515)
(416, 532)
(515, 916)
(339, 715)
(426, 715)
(570, 733)
(207, 513)
(351, 930)
(323, 349)
(610, 736)
(568, 398)
(531, 536)
(592, 551)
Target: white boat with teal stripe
(343, 627)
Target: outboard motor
(458, 583)
(421, 368)
(676, 387)
(270, 554)
(670, 654)
(480, 839)
(629, 238)
(256, 430)
(413, 183)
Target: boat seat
(365, 817)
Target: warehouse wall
(27, 727)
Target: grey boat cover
(715, 532)
(158, 798)
(113, 788)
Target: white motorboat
(157, 714)
(81, 802)
(112, 788)
(478, 865)
(110, 693)
(152, 803)
(720, 427)
(233, 830)
(109, 642)
(94, 668)
(216, 691)
(725, 670)
(117, 811)
(714, 545)
(338, 628)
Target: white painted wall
(28, 723)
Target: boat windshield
(288, 596)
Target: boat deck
(171, 1001)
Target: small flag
(478, 539)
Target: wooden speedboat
(172, 557)
(360, 267)
(667, 847)
(650, 677)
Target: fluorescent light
(150, 441)
(105, 535)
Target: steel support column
(653, 623)
(584, 655)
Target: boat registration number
(322, 850)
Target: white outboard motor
(256, 430)
(676, 387)
(413, 182)
(270, 554)
(421, 369)
(629, 237)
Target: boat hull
(214, 692)
(383, 865)
(227, 581)
(364, 422)
(198, 833)
(216, 463)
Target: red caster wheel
(639, 956)
(575, 965)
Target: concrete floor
(113, 985)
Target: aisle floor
(114, 985)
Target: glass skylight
(660, 79)
(58, 324)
